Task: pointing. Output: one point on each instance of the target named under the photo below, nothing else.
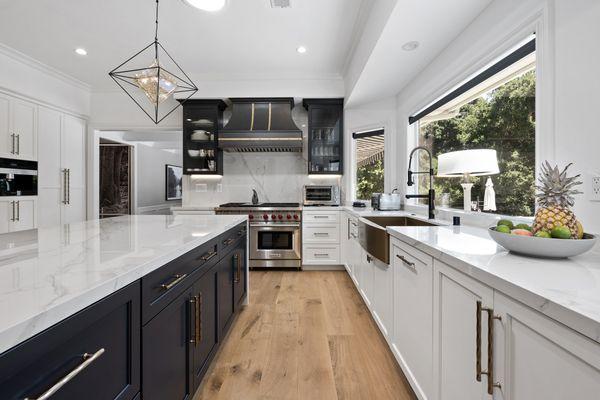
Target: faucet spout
(430, 196)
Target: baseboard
(323, 268)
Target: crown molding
(32, 62)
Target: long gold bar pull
(490, 348)
(478, 342)
(192, 336)
(199, 318)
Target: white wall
(22, 75)
(371, 116)
(150, 177)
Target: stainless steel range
(275, 233)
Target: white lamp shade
(471, 162)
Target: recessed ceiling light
(410, 46)
(207, 5)
(81, 51)
(301, 49)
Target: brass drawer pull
(228, 241)
(240, 233)
(178, 278)
(193, 327)
(87, 360)
(208, 255)
(490, 348)
(199, 318)
(406, 262)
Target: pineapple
(555, 199)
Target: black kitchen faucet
(430, 196)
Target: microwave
(18, 177)
(321, 195)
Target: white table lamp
(467, 163)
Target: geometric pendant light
(151, 78)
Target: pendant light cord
(156, 34)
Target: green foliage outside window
(369, 180)
(503, 120)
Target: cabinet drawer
(321, 255)
(321, 234)
(98, 348)
(162, 286)
(229, 239)
(321, 217)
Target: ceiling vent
(280, 4)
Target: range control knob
(280, 216)
(265, 217)
(250, 216)
(273, 216)
(295, 216)
(289, 216)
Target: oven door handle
(258, 224)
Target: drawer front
(94, 354)
(228, 240)
(321, 255)
(321, 217)
(321, 234)
(162, 286)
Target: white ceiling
(247, 38)
(433, 23)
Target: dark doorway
(115, 179)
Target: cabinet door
(538, 358)
(74, 211)
(345, 241)
(23, 125)
(205, 323)
(239, 277)
(167, 352)
(225, 272)
(107, 332)
(5, 215)
(6, 144)
(49, 207)
(25, 210)
(413, 315)
(383, 293)
(49, 168)
(455, 317)
(73, 149)
(366, 276)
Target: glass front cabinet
(202, 120)
(325, 136)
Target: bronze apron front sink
(373, 236)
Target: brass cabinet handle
(208, 255)
(228, 241)
(490, 347)
(193, 303)
(406, 262)
(178, 278)
(87, 360)
(199, 318)
(236, 265)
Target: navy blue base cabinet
(103, 339)
(152, 340)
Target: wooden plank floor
(305, 335)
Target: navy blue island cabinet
(152, 340)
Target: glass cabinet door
(325, 139)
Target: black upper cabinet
(99, 348)
(202, 120)
(325, 136)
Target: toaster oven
(321, 195)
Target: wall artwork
(173, 182)
(115, 199)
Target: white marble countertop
(566, 290)
(49, 274)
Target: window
(494, 110)
(369, 147)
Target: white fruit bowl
(543, 247)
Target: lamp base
(467, 195)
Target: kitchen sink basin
(373, 236)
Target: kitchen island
(102, 295)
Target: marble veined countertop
(49, 274)
(567, 290)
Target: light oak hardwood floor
(305, 335)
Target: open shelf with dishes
(202, 120)
(325, 135)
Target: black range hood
(261, 125)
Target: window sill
(480, 219)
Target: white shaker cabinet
(61, 166)
(321, 237)
(17, 214)
(459, 335)
(536, 357)
(413, 315)
(18, 128)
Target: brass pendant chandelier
(151, 78)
